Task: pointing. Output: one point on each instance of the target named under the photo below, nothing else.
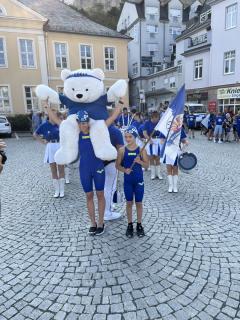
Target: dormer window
(3, 11)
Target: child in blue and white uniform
(92, 170)
(191, 123)
(48, 134)
(131, 162)
(237, 124)
(125, 119)
(172, 165)
(153, 147)
(218, 131)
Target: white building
(208, 53)
(153, 26)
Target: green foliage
(20, 122)
(106, 18)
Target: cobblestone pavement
(187, 266)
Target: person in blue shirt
(130, 161)
(91, 168)
(172, 165)
(111, 175)
(191, 123)
(218, 130)
(211, 125)
(48, 134)
(140, 139)
(153, 147)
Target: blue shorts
(89, 175)
(218, 130)
(134, 189)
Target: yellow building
(40, 38)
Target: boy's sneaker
(129, 232)
(99, 231)
(219, 141)
(92, 230)
(140, 230)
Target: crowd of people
(219, 127)
(138, 144)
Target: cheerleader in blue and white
(153, 147)
(172, 162)
(48, 134)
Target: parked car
(198, 109)
(5, 126)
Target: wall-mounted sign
(212, 106)
(228, 93)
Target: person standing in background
(153, 147)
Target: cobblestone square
(187, 266)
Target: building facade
(210, 56)
(37, 41)
(153, 26)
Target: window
(172, 82)
(3, 58)
(152, 13)
(175, 31)
(60, 90)
(231, 16)
(229, 62)
(27, 59)
(61, 60)
(179, 66)
(135, 68)
(3, 11)
(109, 54)
(175, 15)
(4, 99)
(153, 85)
(152, 29)
(198, 69)
(31, 99)
(86, 56)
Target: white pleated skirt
(154, 148)
(51, 149)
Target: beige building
(40, 38)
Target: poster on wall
(212, 106)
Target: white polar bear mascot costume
(84, 90)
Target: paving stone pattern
(187, 266)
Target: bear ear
(98, 73)
(65, 73)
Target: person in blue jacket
(48, 134)
(130, 161)
(191, 123)
(91, 168)
(237, 121)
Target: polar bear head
(83, 86)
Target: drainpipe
(140, 42)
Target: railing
(198, 40)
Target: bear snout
(79, 95)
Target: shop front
(229, 99)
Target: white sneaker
(110, 215)
(219, 141)
(158, 173)
(214, 140)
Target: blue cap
(132, 130)
(82, 116)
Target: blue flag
(170, 125)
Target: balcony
(197, 43)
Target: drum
(187, 161)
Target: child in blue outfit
(191, 123)
(130, 161)
(92, 169)
(48, 134)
